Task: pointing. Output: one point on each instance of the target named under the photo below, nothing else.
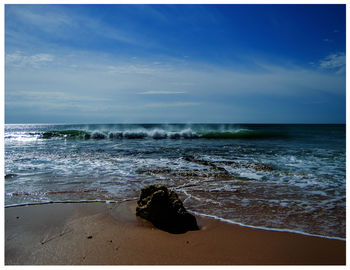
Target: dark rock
(165, 210)
(10, 175)
(263, 167)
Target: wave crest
(159, 134)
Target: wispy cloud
(46, 19)
(51, 97)
(18, 59)
(37, 20)
(58, 22)
(327, 40)
(162, 92)
(134, 68)
(334, 61)
(171, 104)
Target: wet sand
(111, 234)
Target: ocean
(286, 177)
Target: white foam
(71, 201)
(156, 133)
(265, 228)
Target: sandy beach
(111, 234)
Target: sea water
(284, 177)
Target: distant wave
(159, 134)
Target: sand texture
(111, 234)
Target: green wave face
(73, 134)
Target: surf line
(74, 201)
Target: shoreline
(268, 229)
(197, 214)
(98, 233)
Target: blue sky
(175, 63)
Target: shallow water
(275, 176)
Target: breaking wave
(158, 134)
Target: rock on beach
(164, 210)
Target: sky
(175, 63)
